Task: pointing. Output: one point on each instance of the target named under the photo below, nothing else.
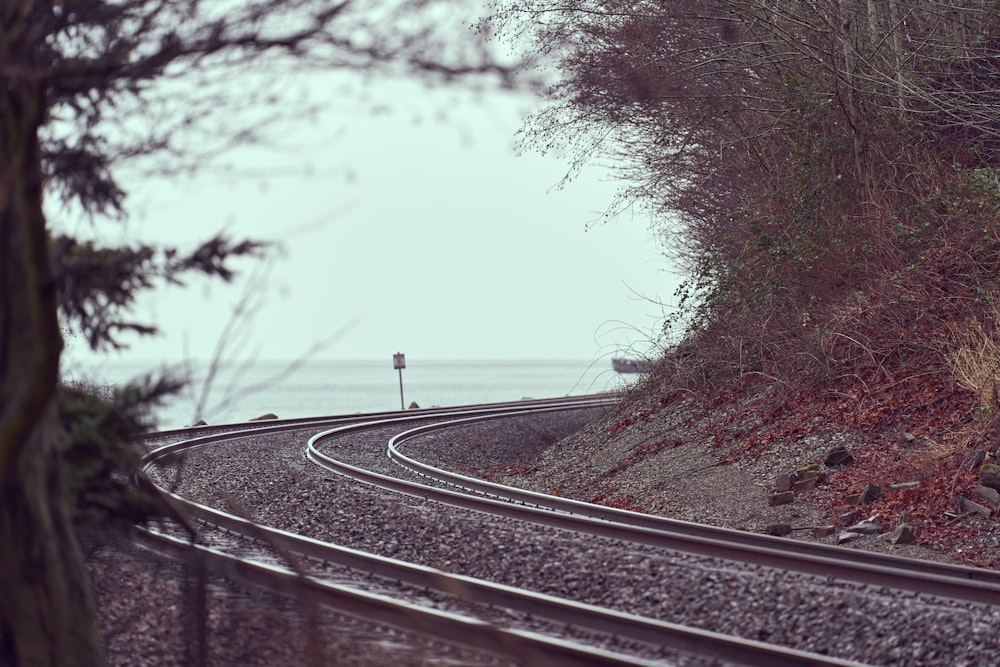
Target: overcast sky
(414, 229)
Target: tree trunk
(46, 611)
(46, 608)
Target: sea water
(241, 391)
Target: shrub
(98, 425)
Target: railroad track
(967, 584)
(608, 627)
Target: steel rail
(529, 647)
(954, 582)
(359, 421)
(597, 619)
(567, 612)
(257, 425)
(638, 519)
(566, 652)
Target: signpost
(399, 363)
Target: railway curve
(558, 521)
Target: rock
(806, 484)
(838, 456)
(989, 475)
(805, 472)
(899, 486)
(869, 494)
(414, 406)
(849, 517)
(966, 505)
(200, 422)
(783, 498)
(806, 477)
(823, 531)
(906, 439)
(992, 496)
(847, 537)
(902, 535)
(264, 417)
(867, 527)
(779, 529)
(783, 482)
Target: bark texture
(46, 611)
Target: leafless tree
(89, 86)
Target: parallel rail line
(973, 584)
(529, 647)
(960, 582)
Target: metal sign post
(399, 363)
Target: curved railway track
(967, 584)
(611, 636)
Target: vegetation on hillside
(828, 174)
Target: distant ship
(631, 365)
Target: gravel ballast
(268, 479)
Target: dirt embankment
(719, 458)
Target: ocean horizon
(241, 391)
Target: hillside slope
(718, 457)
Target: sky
(407, 223)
